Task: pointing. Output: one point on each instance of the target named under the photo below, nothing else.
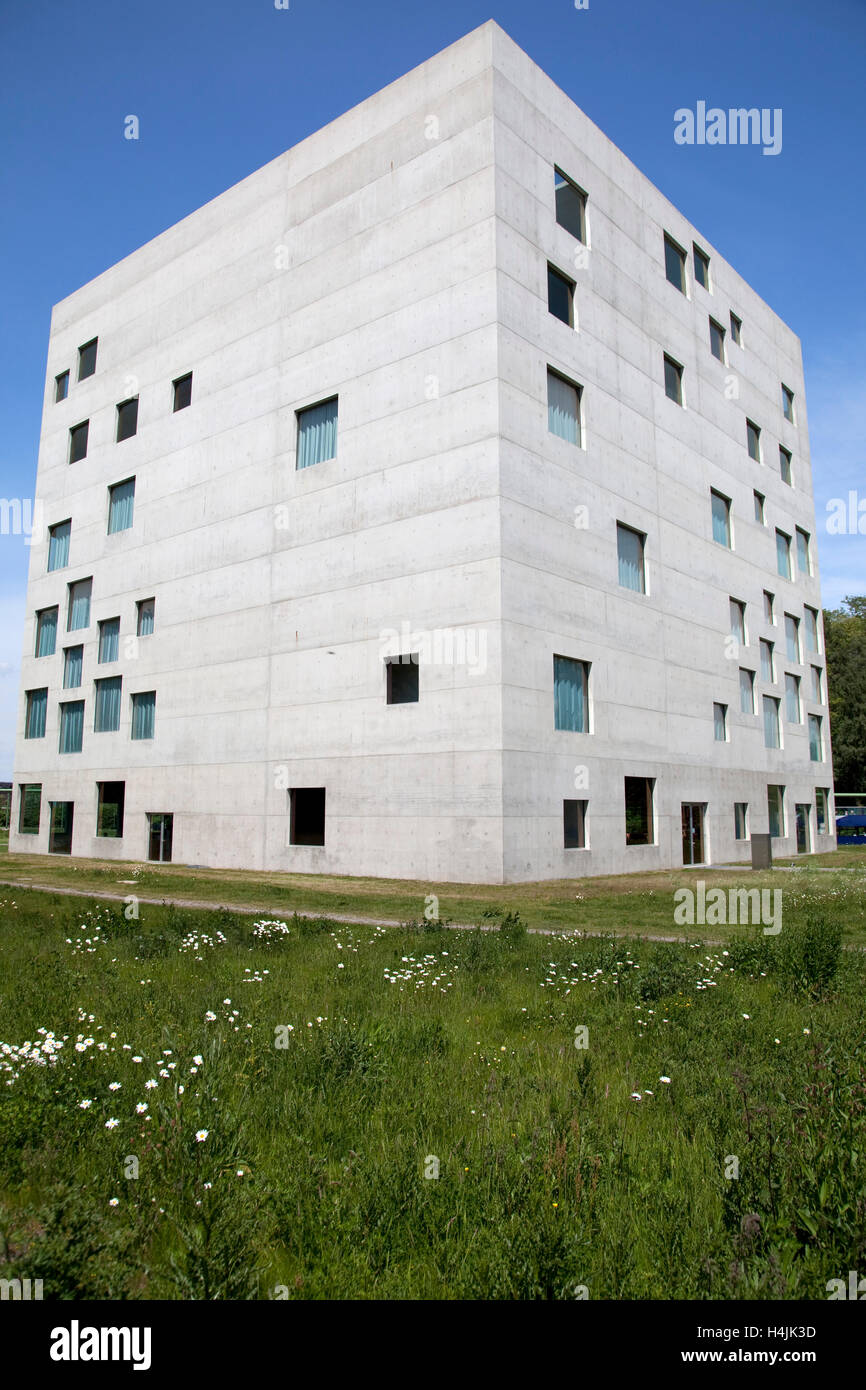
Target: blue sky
(222, 87)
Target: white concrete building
(536, 394)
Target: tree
(845, 643)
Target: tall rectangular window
(738, 620)
(769, 607)
(121, 501)
(639, 822)
(776, 811)
(817, 685)
(741, 820)
(816, 738)
(143, 714)
(788, 403)
(570, 695)
(58, 545)
(783, 554)
(563, 408)
(753, 441)
(675, 264)
(630, 553)
(721, 510)
(146, 610)
(812, 641)
(570, 205)
(71, 726)
(78, 615)
(804, 559)
(737, 330)
(87, 359)
(29, 808)
(37, 709)
(785, 465)
(61, 386)
(792, 698)
(109, 809)
(717, 340)
(307, 815)
(673, 380)
(182, 392)
(127, 419)
(574, 824)
(61, 817)
(78, 441)
(822, 809)
(747, 691)
(46, 632)
(768, 670)
(317, 433)
(792, 637)
(109, 639)
(73, 666)
(702, 267)
(401, 679)
(560, 296)
(720, 723)
(759, 507)
(106, 718)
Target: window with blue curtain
(146, 616)
(811, 629)
(571, 708)
(792, 637)
(37, 708)
(109, 639)
(121, 502)
(143, 714)
(71, 726)
(58, 545)
(721, 518)
(630, 556)
(783, 554)
(792, 699)
(79, 605)
(107, 715)
(771, 722)
(563, 408)
(816, 746)
(317, 433)
(46, 632)
(72, 667)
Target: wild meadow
(208, 1105)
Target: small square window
(673, 380)
(109, 809)
(78, 441)
(753, 441)
(787, 403)
(570, 205)
(747, 691)
(574, 824)
(741, 820)
(127, 419)
(639, 826)
(737, 330)
(182, 388)
(702, 267)
(759, 507)
(560, 296)
(785, 466)
(87, 359)
(563, 408)
(402, 680)
(29, 808)
(630, 552)
(717, 340)
(769, 607)
(145, 617)
(317, 433)
(61, 386)
(675, 264)
(720, 723)
(307, 818)
(721, 515)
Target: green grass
(412, 1050)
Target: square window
(106, 718)
(769, 607)
(673, 380)
(737, 330)
(783, 554)
(563, 408)
(753, 441)
(78, 441)
(804, 559)
(639, 827)
(702, 267)
(58, 545)
(792, 699)
(307, 819)
(776, 811)
(675, 264)
(109, 639)
(121, 503)
(146, 616)
(78, 614)
(87, 359)
(741, 820)
(574, 824)
(29, 808)
(747, 691)
(37, 709)
(402, 679)
(630, 554)
(785, 465)
(816, 738)
(560, 296)
(759, 507)
(317, 433)
(721, 514)
(182, 391)
(787, 403)
(717, 340)
(720, 723)
(792, 637)
(127, 419)
(768, 665)
(570, 205)
(738, 620)
(46, 632)
(73, 667)
(109, 809)
(61, 386)
(812, 635)
(143, 715)
(71, 726)
(570, 695)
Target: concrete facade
(397, 259)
